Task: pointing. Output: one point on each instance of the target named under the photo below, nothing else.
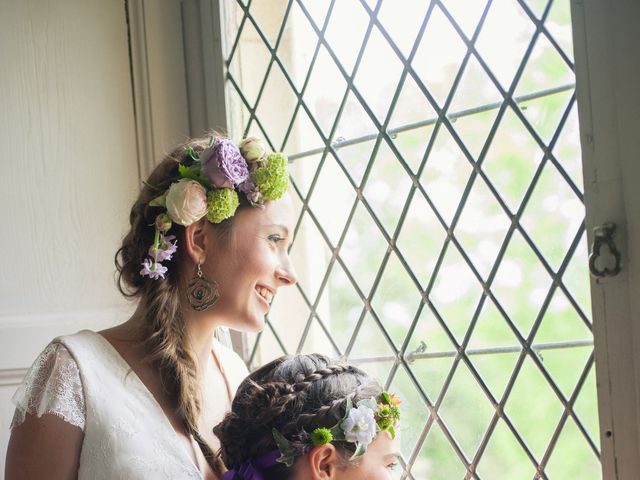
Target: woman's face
(252, 264)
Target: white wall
(69, 174)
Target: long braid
(166, 344)
(163, 329)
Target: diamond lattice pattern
(440, 239)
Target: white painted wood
(24, 336)
(69, 163)
(204, 65)
(159, 78)
(607, 72)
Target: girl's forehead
(384, 445)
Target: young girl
(306, 417)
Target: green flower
(387, 416)
(221, 203)
(321, 436)
(272, 179)
(395, 412)
(385, 423)
(384, 411)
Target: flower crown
(360, 425)
(210, 186)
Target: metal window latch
(411, 356)
(600, 262)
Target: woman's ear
(323, 462)
(196, 240)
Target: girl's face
(252, 264)
(378, 463)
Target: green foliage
(193, 172)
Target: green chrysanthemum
(222, 203)
(385, 423)
(395, 412)
(321, 436)
(272, 179)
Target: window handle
(599, 261)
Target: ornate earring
(202, 293)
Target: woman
(207, 249)
(306, 418)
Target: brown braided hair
(163, 331)
(295, 395)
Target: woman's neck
(199, 329)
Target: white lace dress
(82, 379)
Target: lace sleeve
(51, 386)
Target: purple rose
(223, 165)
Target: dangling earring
(202, 293)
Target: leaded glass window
(440, 238)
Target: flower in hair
(223, 203)
(223, 164)
(153, 269)
(272, 179)
(163, 222)
(165, 249)
(252, 149)
(186, 201)
(391, 399)
(208, 185)
(360, 425)
(251, 192)
(321, 436)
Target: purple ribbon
(251, 469)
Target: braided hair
(294, 394)
(163, 328)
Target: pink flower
(163, 222)
(186, 201)
(255, 198)
(252, 149)
(223, 165)
(152, 269)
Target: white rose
(252, 149)
(186, 201)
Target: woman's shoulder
(80, 337)
(51, 386)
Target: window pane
(440, 244)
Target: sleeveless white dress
(82, 379)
